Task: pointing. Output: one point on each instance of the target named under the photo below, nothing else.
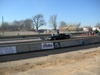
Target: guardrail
(25, 36)
(20, 48)
(36, 35)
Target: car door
(63, 36)
(57, 36)
(60, 36)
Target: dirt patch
(71, 63)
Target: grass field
(17, 33)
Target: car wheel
(54, 38)
(67, 37)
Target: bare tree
(98, 25)
(38, 21)
(28, 24)
(22, 25)
(62, 24)
(15, 25)
(5, 26)
(53, 22)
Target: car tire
(67, 37)
(54, 39)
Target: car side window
(56, 34)
(59, 34)
(62, 34)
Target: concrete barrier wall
(59, 44)
(4, 50)
(93, 40)
(71, 43)
(35, 46)
(85, 41)
(99, 39)
(22, 48)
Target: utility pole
(2, 25)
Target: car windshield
(56, 35)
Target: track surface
(31, 40)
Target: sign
(47, 46)
(56, 44)
(7, 50)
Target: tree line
(17, 25)
(28, 24)
(32, 24)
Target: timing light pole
(2, 25)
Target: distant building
(72, 27)
(44, 31)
